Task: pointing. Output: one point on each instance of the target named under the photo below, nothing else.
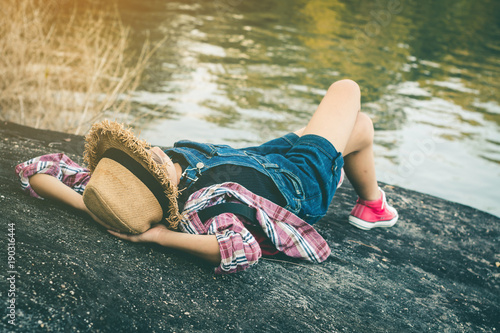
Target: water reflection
(241, 73)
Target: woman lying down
(227, 206)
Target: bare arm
(203, 246)
(50, 187)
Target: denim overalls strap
(200, 157)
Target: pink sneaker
(370, 214)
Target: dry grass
(63, 69)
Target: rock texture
(436, 270)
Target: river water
(242, 72)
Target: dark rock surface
(436, 270)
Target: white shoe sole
(369, 225)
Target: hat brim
(107, 135)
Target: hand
(203, 246)
(153, 235)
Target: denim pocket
(298, 189)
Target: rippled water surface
(242, 72)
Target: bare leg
(335, 116)
(359, 161)
(339, 121)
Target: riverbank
(436, 270)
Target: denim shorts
(311, 167)
(305, 169)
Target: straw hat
(128, 190)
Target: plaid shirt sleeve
(239, 249)
(57, 165)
